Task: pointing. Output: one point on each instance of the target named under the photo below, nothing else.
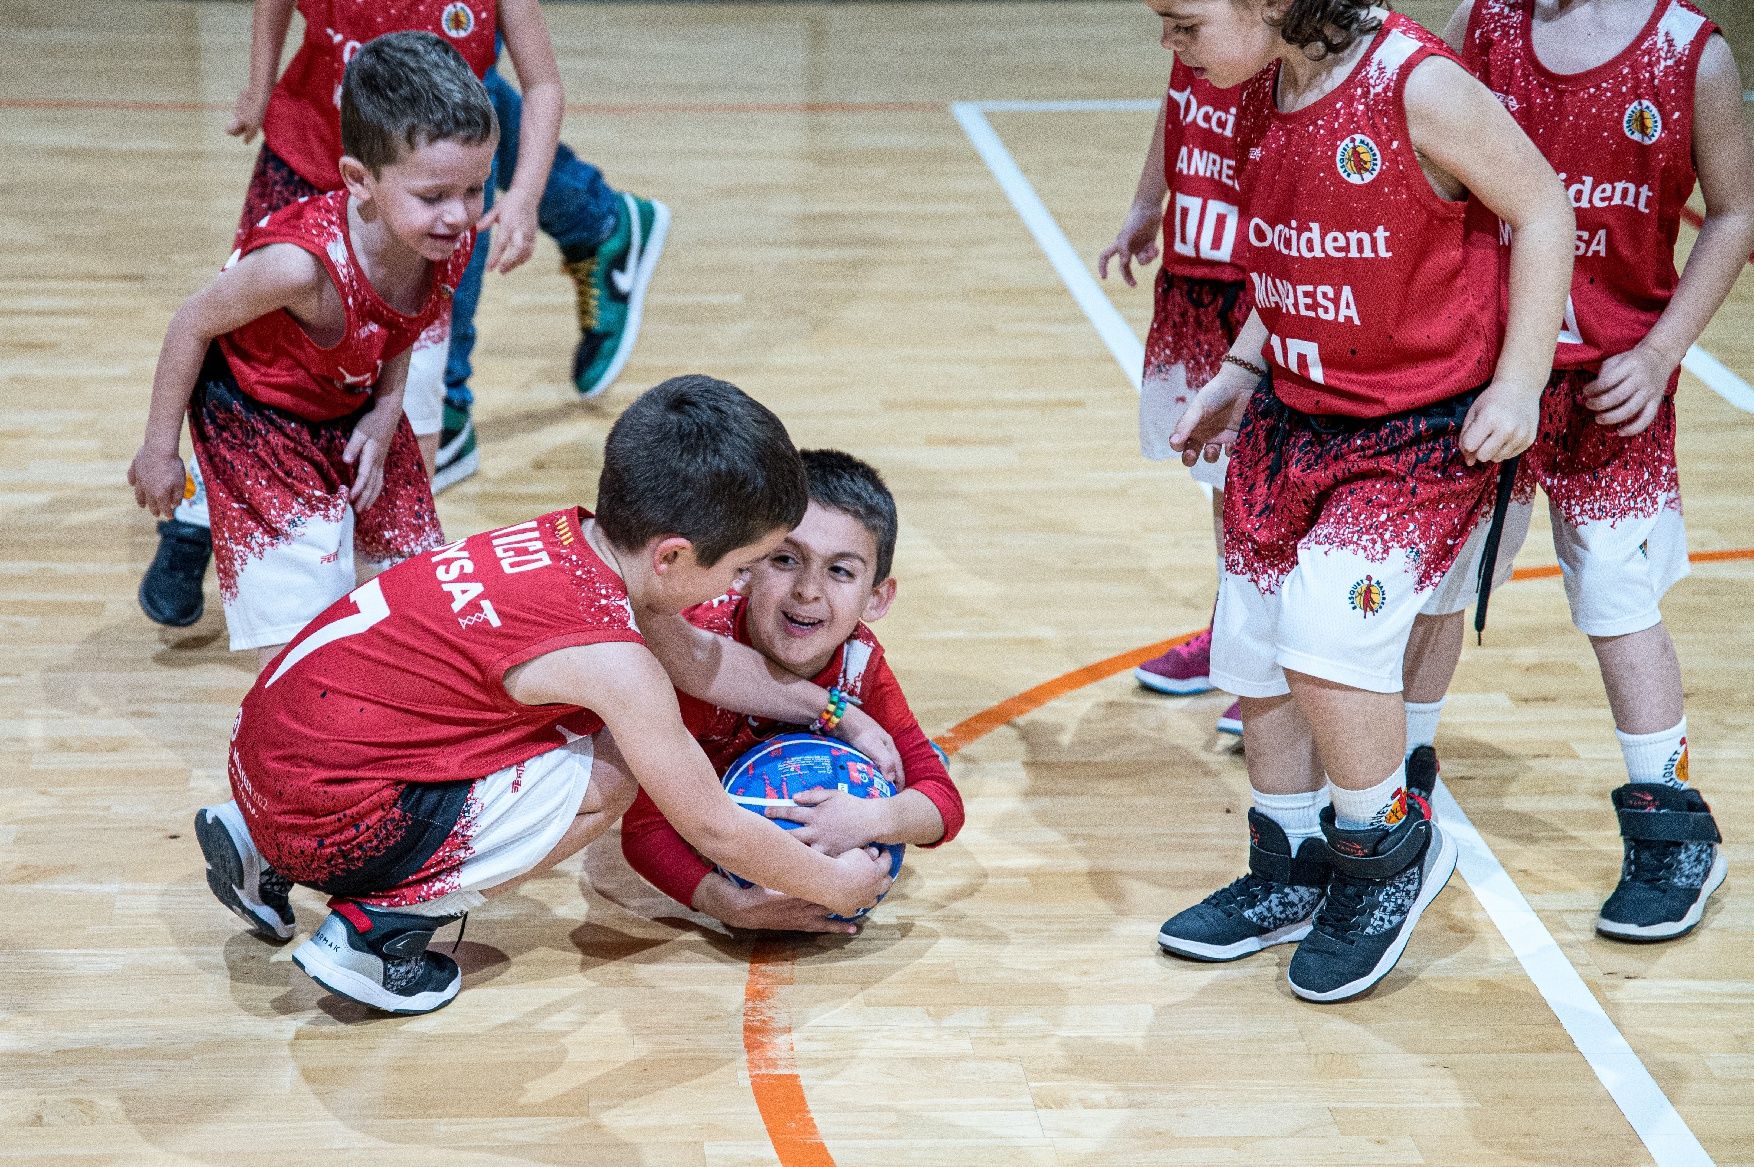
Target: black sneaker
(1673, 863)
(1422, 772)
(457, 456)
(612, 283)
(170, 591)
(1270, 905)
(378, 957)
(1383, 878)
(239, 877)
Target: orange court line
(767, 1029)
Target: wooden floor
(841, 251)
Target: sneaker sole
(1173, 686)
(225, 877)
(1219, 953)
(454, 472)
(1651, 933)
(316, 963)
(636, 300)
(1436, 879)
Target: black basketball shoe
(1422, 772)
(170, 591)
(1270, 905)
(239, 877)
(1383, 879)
(378, 957)
(1673, 863)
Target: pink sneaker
(1230, 721)
(1182, 670)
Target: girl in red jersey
(1619, 95)
(1364, 405)
(1201, 302)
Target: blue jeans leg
(578, 211)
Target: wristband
(1242, 364)
(830, 718)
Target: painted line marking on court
(1123, 344)
(1646, 1108)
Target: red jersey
(303, 121)
(655, 849)
(1199, 164)
(1379, 294)
(1621, 137)
(274, 358)
(402, 682)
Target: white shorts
(1338, 616)
(514, 818)
(1163, 398)
(424, 398)
(1460, 586)
(1616, 572)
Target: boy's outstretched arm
(1460, 127)
(664, 859)
(721, 672)
(276, 276)
(1632, 384)
(532, 54)
(268, 25)
(626, 686)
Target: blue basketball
(781, 767)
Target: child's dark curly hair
(1321, 27)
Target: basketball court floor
(886, 217)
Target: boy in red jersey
(439, 734)
(297, 353)
(1201, 302)
(805, 608)
(1622, 97)
(1362, 454)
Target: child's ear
(357, 177)
(668, 552)
(882, 596)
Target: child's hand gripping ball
(776, 771)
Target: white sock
(1656, 757)
(1357, 809)
(1422, 723)
(1298, 815)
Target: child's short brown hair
(698, 457)
(406, 89)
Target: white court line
(1647, 1109)
(1720, 378)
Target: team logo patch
(1368, 597)
(1676, 769)
(1397, 808)
(458, 20)
(1358, 160)
(1642, 122)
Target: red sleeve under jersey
(659, 853)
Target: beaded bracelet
(1242, 364)
(831, 717)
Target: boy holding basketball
(1364, 405)
(1201, 301)
(292, 364)
(806, 608)
(1623, 96)
(477, 714)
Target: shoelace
(1346, 907)
(582, 272)
(1652, 862)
